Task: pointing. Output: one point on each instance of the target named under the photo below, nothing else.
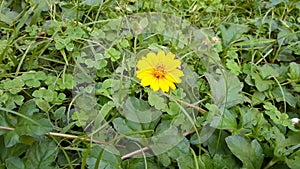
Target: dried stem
(131, 154)
(199, 109)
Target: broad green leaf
(294, 72)
(225, 89)
(106, 108)
(139, 163)
(221, 161)
(232, 33)
(225, 121)
(287, 147)
(11, 138)
(139, 111)
(249, 152)
(216, 143)
(81, 118)
(126, 127)
(98, 34)
(42, 104)
(170, 141)
(260, 83)
(66, 82)
(282, 94)
(173, 109)
(26, 127)
(41, 155)
(59, 113)
(164, 159)
(28, 108)
(258, 97)
(269, 70)
(101, 158)
(186, 162)
(293, 163)
(32, 78)
(278, 117)
(233, 66)
(14, 163)
(157, 101)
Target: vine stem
(69, 136)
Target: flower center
(159, 72)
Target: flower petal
(164, 85)
(172, 64)
(145, 72)
(146, 81)
(143, 64)
(176, 74)
(161, 54)
(152, 59)
(154, 85)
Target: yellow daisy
(159, 71)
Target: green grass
(69, 97)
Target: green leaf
(59, 113)
(101, 158)
(258, 97)
(225, 121)
(126, 127)
(66, 82)
(277, 116)
(232, 33)
(169, 140)
(32, 78)
(42, 154)
(98, 34)
(14, 163)
(173, 109)
(216, 143)
(157, 101)
(225, 89)
(164, 159)
(139, 163)
(47, 95)
(233, 66)
(225, 161)
(81, 118)
(294, 72)
(11, 138)
(249, 152)
(42, 104)
(28, 108)
(139, 111)
(269, 70)
(14, 86)
(107, 107)
(261, 84)
(26, 127)
(282, 94)
(293, 163)
(186, 162)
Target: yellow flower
(159, 71)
